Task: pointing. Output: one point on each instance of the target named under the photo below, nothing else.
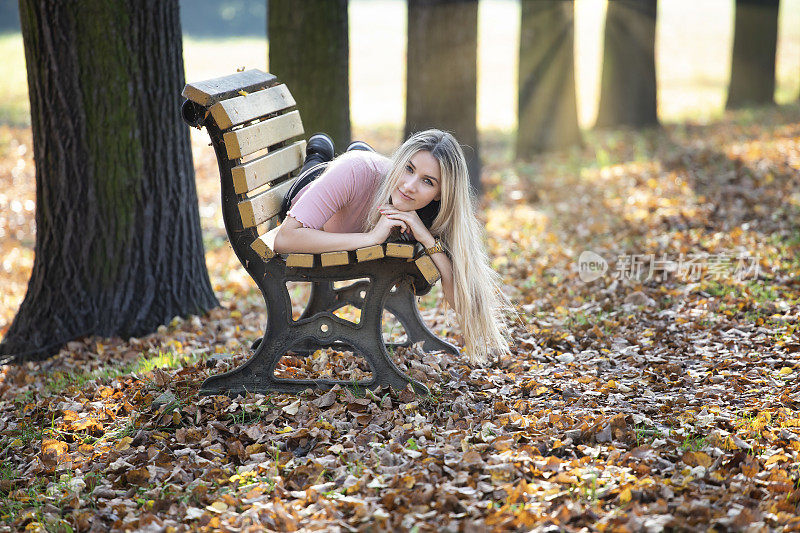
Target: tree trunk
(628, 85)
(755, 40)
(442, 73)
(309, 51)
(118, 243)
(547, 110)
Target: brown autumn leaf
(138, 476)
(697, 459)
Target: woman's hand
(384, 227)
(412, 223)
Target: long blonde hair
(479, 304)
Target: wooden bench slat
(264, 246)
(241, 109)
(398, 249)
(263, 206)
(300, 260)
(428, 269)
(334, 258)
(260, 171)
(370, 253)
(245, 141)
(207, 92)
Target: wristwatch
(437, 247)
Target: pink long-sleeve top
(338, 200)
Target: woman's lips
(407, 197)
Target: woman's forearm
(445, 267)
(313, 241)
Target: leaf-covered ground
(665, 402)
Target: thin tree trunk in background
(755, 41)
(309, 51)
(118, 244)
(547, 110)
(442, 73)
(628, 85)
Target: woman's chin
(401, 204)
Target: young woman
(423, 190)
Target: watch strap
(437, 247)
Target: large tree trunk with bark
(755, 41)
(442, 73)
(628, 84)
(547, 110)
(309, 51)
(118, 244)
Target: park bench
(255, 130)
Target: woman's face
(420, 182)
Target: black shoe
(360, 145)
(320, 147)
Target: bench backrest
(259, 128)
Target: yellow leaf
(323, 424)
(218, 507)
(625, 496)
(775, 458)
(243, 93)
(124, 443)
(786, 370)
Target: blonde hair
(479, 304)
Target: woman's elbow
(282, 240)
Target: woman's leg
(319, 151)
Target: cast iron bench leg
(366, 339)
(402, 305)
(322, 298)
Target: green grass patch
(645, 434)
(693, 443)
(59, 382)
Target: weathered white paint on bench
(207, 92)
(250, 139)
(241, 109)
(262, 170)
(263, 206)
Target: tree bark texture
(628, 84)
(755, 41)
(119, 249)
(442, 73)
(309, 51)
(547, 110)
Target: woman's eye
(429, 182)
(409, 169)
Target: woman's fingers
(396, 221)
(402, 223)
